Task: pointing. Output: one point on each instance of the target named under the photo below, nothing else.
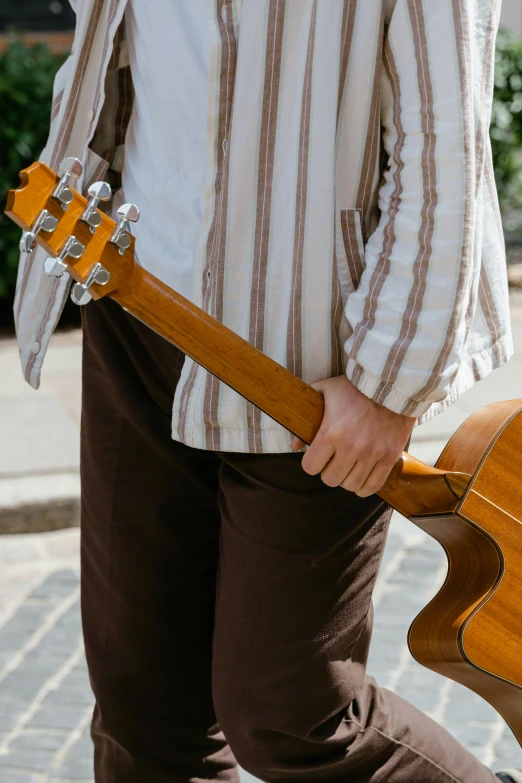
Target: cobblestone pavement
(46, 702)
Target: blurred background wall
(512, 15)
(48, 21)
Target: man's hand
(358, 442)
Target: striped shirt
(350, 220)
(165, 145)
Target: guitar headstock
(81, 240)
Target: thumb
(296, 444)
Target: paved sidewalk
(45, 700)
(39, 439)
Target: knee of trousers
(276, 733)
(275, 755)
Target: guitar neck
(412, 488)
(259, 379)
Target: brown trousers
(228, 595)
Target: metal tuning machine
(80, 294)
(70, 168)
(100, 191)
(127, 213)
(45, 222)
(56, 267)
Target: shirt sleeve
(412, 312)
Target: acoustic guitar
(471, 501)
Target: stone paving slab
(40, 439)
(45, 697)
(50, 438)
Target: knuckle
(377, 454)
(356, 442)
(333, 434)
(388, 456)
(372, 488)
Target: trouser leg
(150, 530)
(293, 626)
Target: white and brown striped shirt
(350, 219)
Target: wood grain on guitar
(470, 502)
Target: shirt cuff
(372, 386)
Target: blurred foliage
(26, 86)
(506, 126)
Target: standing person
(317, 175)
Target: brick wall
(37, 15)
(48, 21)
(54, 15)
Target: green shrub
(26, 82)
(506, 127)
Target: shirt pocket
(352, 245)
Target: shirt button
(90, 116)
(35, 347)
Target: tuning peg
(100, 191)
(56, 267)
(45, 222)
(80, 293)
(70, 168)
(127, 213)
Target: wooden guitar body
(471, 630)
(471, 502)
